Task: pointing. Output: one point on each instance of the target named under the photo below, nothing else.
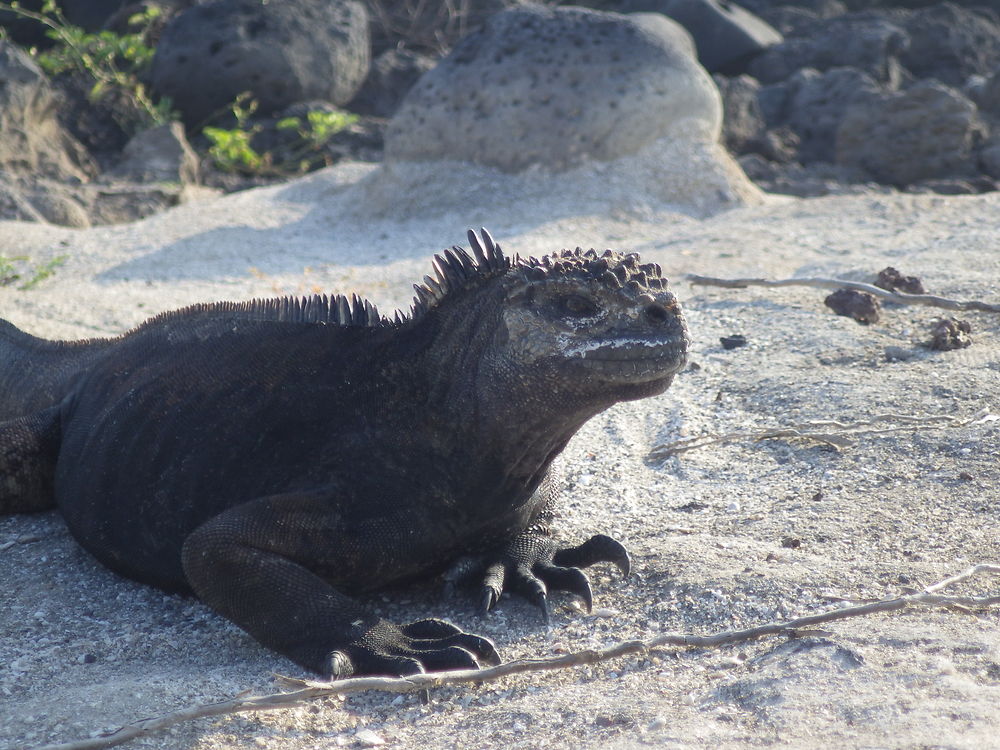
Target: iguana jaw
(634, 361)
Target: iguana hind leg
(29, 447)
(265, 565)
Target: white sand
(706, 529)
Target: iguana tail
(35, 373)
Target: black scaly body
(276, 457)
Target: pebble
(368, 738)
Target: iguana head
(597, 323)
(604, 318)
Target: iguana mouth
(637, 359)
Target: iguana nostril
(657, 314)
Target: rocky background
(820, 96)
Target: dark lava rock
(90, 14)
(899, 138)
(912, 4)
(951, 43)
(430, 27)
(948, 334)
(953, 186)
(796, 20)
(392, 75)
(860, 41)
(726, 35)
(281, 52)
(892, 280)
(989, 158)
(743, 123)
(816, 105)
(810, 180)
(989, 97)
(851, 303)
(160, 154)
(733, 342)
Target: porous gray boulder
(281, 52)
(556, 86)
(925, 132)
(725, 34)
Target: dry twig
(308, 690)
(907, 299)
(826, 431)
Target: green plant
(19, 267)
(112, 61)
(231, 148)
(319, 127)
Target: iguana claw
(532, 566)
(599, 548)
(422, 646)
(573, 580)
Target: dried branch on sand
(907, 299)
(306, 690)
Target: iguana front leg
(532, 564)
(265, 565)
(29, 447)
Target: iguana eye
(578, 306)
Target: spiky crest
(456, 270)
(324, 309)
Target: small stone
(949, 334)
(368, 738)
(791, 542)
(734, 341)
(604, 612)
(850, 303)
(892, 280)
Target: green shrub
(111, 61)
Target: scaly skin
(276, 458)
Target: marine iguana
(277, 457)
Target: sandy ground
(723, 537)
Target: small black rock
(861, 306)
(734, 341)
